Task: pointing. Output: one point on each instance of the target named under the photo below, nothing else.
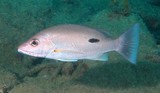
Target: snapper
(69, 43)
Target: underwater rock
(27, 88)
(81, 69)
(67, 69)
(7, 81)
(3, 89)
(153, 25)
(120, 7)
(39, 68)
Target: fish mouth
(30, 53)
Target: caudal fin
(128, 43)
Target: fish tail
(128, 42)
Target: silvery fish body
(70, 43)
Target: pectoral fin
(58, 50)
(66, 51)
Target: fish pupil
(34, 42)
(93, 40)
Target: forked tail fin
(128, 42)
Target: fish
(71, 42)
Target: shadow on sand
(122, 75)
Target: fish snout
(22, 47)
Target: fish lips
(30, 53)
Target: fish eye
(34, 42)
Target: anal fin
(103, 57)
(68, 60)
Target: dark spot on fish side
(93, 40)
